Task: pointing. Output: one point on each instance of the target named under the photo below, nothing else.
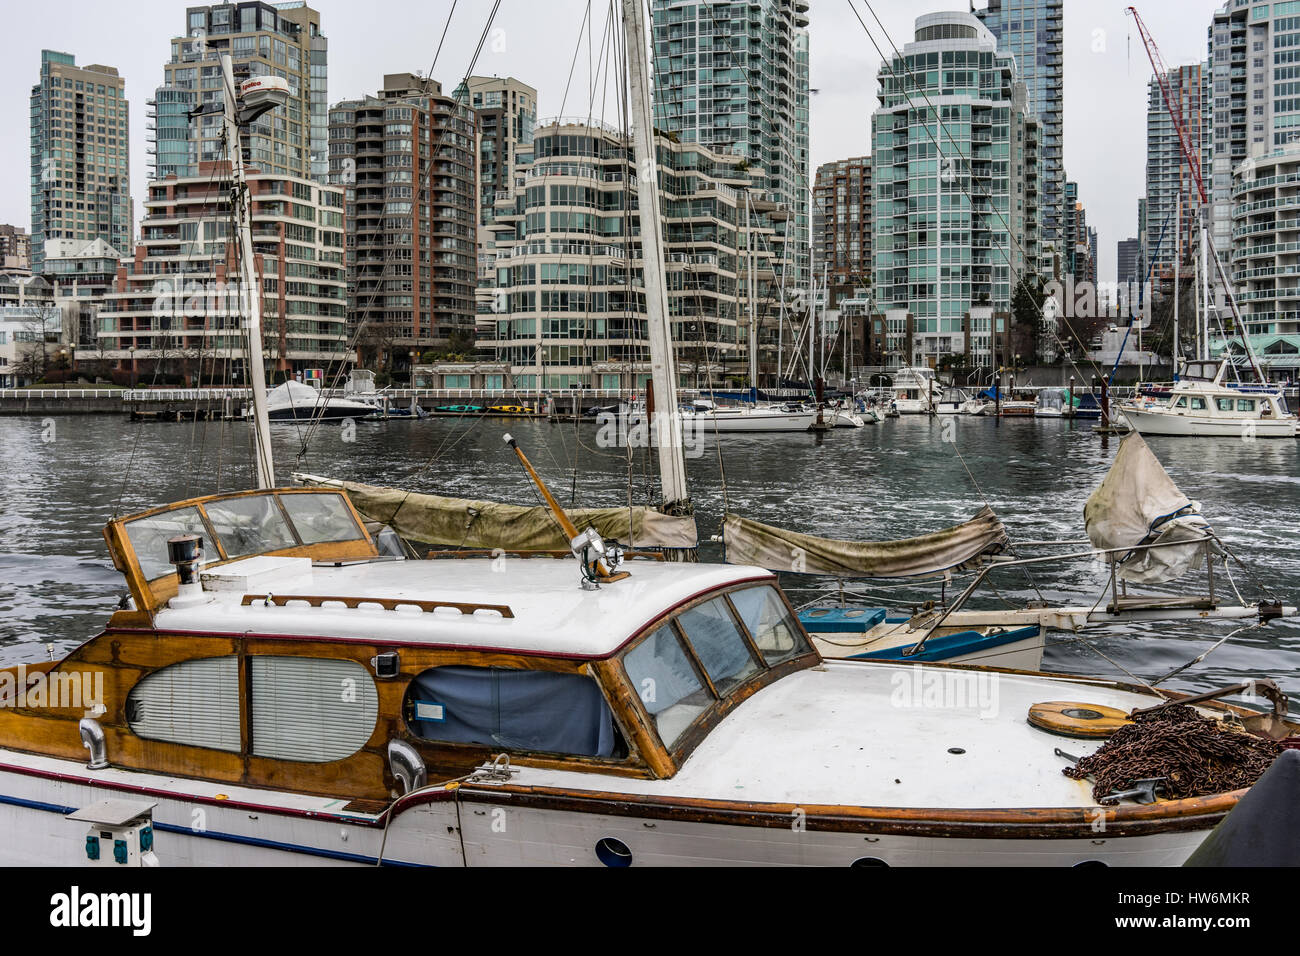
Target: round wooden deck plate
(1073, 719)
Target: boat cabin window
(667, 684)
(238, 526)
(250, 525)
(719, 645)
(194, 703)
(1198, 404)
(519, 710)
(770, 624)
(320, 518)
(1181, 403)
(1224, 404)
(312, 710)
(148, 537)
(1245, 404)
(732, 637)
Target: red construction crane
(1162, 72)
(1194, 164)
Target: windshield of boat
(237, 526)
(693, 664)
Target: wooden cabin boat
(288, 694)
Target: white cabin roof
(553, 615)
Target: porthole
(868, 861)
(613, 853)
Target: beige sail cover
(1137, 503)
(957, 548)
(449, 522)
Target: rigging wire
(319, 408)
(935, 112)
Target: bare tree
(36, 343)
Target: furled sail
(958, 548)
(1137, 503)
(461, 522)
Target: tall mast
(1204, 322)
(248, 280)
(750, 293)
(663, 370)
(1178, 265)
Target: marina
(436, 486)
(911, 442)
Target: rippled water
(896, 479)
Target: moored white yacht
(1053, 403)
(294, 401)
(844, 416)
(952, 401)
(749, 418)
(1195, 407)
(704, 417)
(915, 390)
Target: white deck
(877, 735)
(552, 613)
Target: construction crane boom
(1194, 164)
(1162, 77)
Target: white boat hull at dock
(1161, 422)
(866, 810)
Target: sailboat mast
(1178, 265)
(1203, 322)
(812, 334)
(248, 280)
(663, 370)
(750, 294)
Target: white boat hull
(483, 827)
(911, 406)
(1160, 422)
(843, 419)
(751, 421)
(331, 410)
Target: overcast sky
(1106, 72)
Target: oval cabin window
(312, 710)
(193, 702)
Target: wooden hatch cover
(1069, 718)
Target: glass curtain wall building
(955, 180)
